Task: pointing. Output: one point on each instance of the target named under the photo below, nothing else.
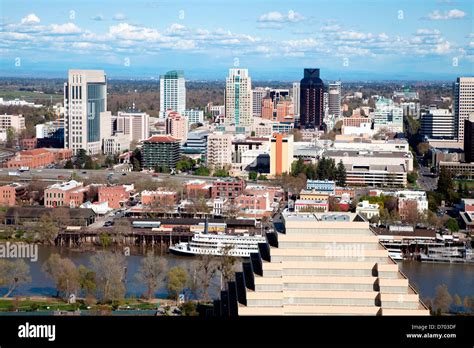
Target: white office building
(194, 116)
(387, 116)
(257, 95)
(219, 150)
(87, 122)
(133, 123)
(334, 99)
(172, 92)
(238, 98)
(296, 98)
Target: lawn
(28, 96)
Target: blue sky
(275, 40)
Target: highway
(83, 174)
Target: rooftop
(66, 186)
(161, 139)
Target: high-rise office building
(172, 92)
(281, 154)
(296, 98)
(334, 99)
(311, 99)
(87, 122)
(238, 98)
(463, 105)
(438, 124)
(177, 126)
(469, 139)
(257, 96)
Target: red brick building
(159, 198)
(67, 194)
(28, 144)
(7, 195)
(116, 196)
(197, 189)
(30, 158)
(227, 188)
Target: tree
(87, 280)
(13, 274)
(10, 137)
(422, 148)
(457, 300)
(69, 164)
(412, 177)
(151, 272)
(253, 175)
(202, 171)
(177, 280)
(64, 274)
(445, 182)
(226, 265)
(206, 270)
(340, 174)
(81, 158)
(109, 269)
(443, 299)
(452, 225)
(46, 229)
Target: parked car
(108, 223)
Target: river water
(424, 276)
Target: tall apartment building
(238, 98)
(86, 119)
(133, 123)
(334, 99)
(177, 126)
(311, 99)
(257, 96)
(463, 105)
(296, 98)
(281, 154)
(160, 150)
(324, 264)
(438, 124)
(267, 109)
(219, 150)
(17, 122)
(172, 92)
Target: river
(424, 276)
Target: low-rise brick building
(116, 196)
(159, 198)
(67, 194)
(7, 195)
(227, 188)
(30, 158)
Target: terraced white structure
(325, 264)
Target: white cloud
(127, 31)
(30, 19)
(65, 29)
(331, 27)
(451, 14)
(278, 17)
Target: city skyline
(147, 39)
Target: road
(54, 174)
(425, 182)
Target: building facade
(281, 154)
(172, 92)
(311, 99)
(238, 98)
(219, 150)
(86, 119)
(463, 104)
(161, 151)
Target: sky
(274, 39)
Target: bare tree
(64, 273)
(109, 271)
(227, 265)
(46, 229)
(13, 274)
(152, 272)
(443, 299)
(203, 272)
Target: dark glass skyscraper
(311, 99)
